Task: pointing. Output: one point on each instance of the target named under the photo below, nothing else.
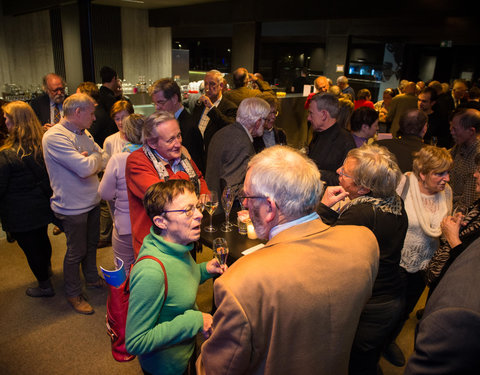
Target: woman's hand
(214, 266)
(333, 194)
(207, 325)
(451, 228)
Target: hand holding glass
(220, 250)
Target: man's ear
(271, 210)
(175, 99)
(160, 222)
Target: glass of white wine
(220, 250)
(228, 196)
(211, 204)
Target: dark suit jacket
(448, 336)
(192, 139)
(41, 107)
(230, 151)
(403, 149)
(220, 117)
(280, 139)
(328, 150)
(103, 126)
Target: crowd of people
(355, 227)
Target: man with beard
(49, 106)
(293, 306)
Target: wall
(146, 50)
(26, 47)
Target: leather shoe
(56, 231)
(80, 305)
(394, 355)
(40, 292)
(100, 283)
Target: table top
(236, 241)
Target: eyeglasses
(242, 197)
(189, 210)
(59, 89)
(342, 173)
(273, 113)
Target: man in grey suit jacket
(232, 146)
(448, 336)
(293, 306)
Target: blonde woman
(25, 192)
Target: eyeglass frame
(342, 173)
(199, 206)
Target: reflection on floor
(45, 336)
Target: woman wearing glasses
(369, 177)
(163, 322)
(428, 199)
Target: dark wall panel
(107, 39)
(57, 42)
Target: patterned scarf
(163, 173)
(392, 205)
(130, 147)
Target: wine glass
(228, 196)
(461, 209)
(211, 204)
(220, 250)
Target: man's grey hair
(250, 110)
(75, 101)
(342, 79)
(216, 74)
(47, 77)
(288, 177)
(328, 102)
(376, 169)
(150, 132)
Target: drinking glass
(211, 204)
(228, 196)
(220, 250)
(461, 209)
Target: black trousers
(38, 250)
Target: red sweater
(140, 174)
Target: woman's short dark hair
(160, 194)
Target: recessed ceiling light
(134, 1)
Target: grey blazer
(229, 152)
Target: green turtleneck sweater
(163, 338)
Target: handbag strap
(163, 269)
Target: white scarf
(445, 203)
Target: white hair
(252, 109)
(288, 177)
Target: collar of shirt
(281, 227)
(72, 127)
(248, 133)
(176, 165)
(179, 112)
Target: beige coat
(293, 306)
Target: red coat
(364, 103)
(140, 174)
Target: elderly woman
(369, 177)
(161, 327)
(25, 192)
(113, 188)
(428, 199)
(271, 134)
(459, 231)
(114, 143)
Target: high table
(236, 242)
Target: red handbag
(116, 318)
